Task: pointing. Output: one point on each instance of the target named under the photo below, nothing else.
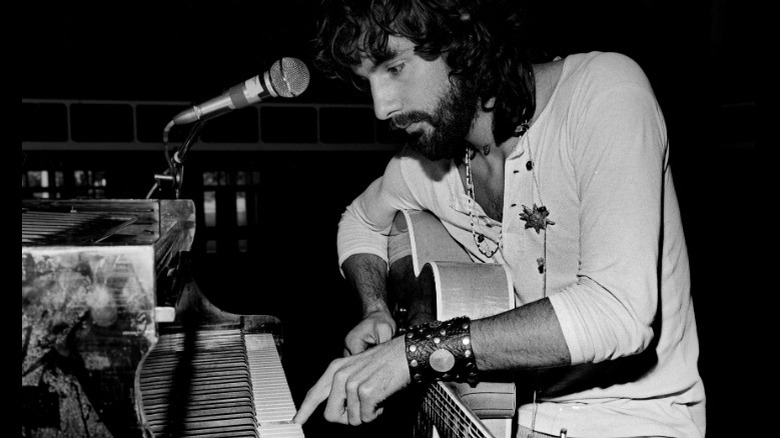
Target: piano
(118, 341)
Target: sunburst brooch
(536, 218)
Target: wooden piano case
(94, 273)
(119, 341)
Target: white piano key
(273, 401)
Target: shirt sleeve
(366, 223)
(619, 148)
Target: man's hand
(375, 328)
(354, 386)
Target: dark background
(703, 58)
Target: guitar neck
(443, 414)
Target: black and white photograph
(396, 218)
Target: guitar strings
(452, 416)
(447, 420)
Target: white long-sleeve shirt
(617, 271)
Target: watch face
(441, 360)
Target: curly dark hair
(481, 41)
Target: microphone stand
(175, 171)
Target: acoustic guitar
(433, 278)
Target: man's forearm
(367, 275)
(526, 337)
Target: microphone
(287, 77)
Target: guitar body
(433, 278)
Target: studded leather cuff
(441, 350)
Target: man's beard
(450, 121)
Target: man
(564, 179)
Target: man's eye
(396, 69)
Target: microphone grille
(289, 77)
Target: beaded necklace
(479, 238)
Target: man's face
(419, 97)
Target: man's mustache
(402, 121)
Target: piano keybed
(217, 383)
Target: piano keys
(222, 381)
(106, 293)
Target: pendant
(521, 129)
(484, 247)
(536, 218)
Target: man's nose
(386, 100)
